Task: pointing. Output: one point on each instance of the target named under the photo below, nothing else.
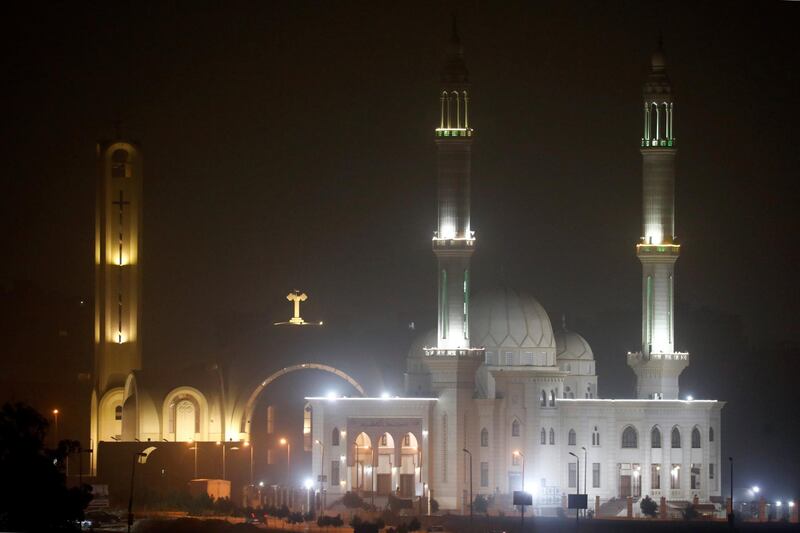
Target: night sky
(290, 145)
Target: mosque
(496, 398)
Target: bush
(351, 500)
(648, 507)
(690, 512)
(481, 504)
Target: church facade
(497, 399)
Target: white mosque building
(496, 386)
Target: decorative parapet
(636, 357)
(658, 143)
(454, 352)
(454, 132)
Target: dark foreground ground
(481, 525)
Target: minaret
(658, 365)
(452, 363)
(454, 241)
(118, 232)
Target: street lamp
(756, 489)
(140, 457)
(518, 453)
(194, 447)
(55, 416)
(585, 463)
(321, 471)
(308, 483)
(577, 482)
(224, 446)
(730, 516)
(285, 442)
(470, 483)
(247, 445)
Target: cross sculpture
(296, 297)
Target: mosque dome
(571, 345)
(505, 318)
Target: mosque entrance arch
(251, 401)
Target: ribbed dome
(571, 345)
(505, 318)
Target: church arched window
(676, 437)
(655, 437)
(335, 437)
(629, 437)
(515, 428)
(696, 438)
(544, 399)
(484, 438)
(595, 437)
(710, 434)
(543, 436)
(552, 436)
(118, 412)
(552, 398)
(120, 164)
(571, 438)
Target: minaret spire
(658, 365)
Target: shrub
(351, 500)
(481, 504)
(690, 512)
(648, 507)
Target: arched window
(484, 438)
(695, 438)
(629, 438)
(552, 436)
(335, 437)
(120, 164)
(543, 436)
(710, 434)
(552, 398)
(655, 437)
(544, 399)
(595, 437)
(118, 412)
(676, 437)
(515, 428)
(571, 437)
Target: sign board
(522, 498)
(323, 479)
(577, 501)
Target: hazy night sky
(291, 145)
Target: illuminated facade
(497, 383)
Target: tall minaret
(452, 363)
(657, 365)
(454, 241)
(118, 289)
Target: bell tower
(118, 288)
(658, 365)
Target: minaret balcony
(639, 357)
(658, 143)
(658, 250)
(454, 244)
(454, 132)
(454, 352)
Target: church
(497, 398)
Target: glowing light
(532, 489)
(756, 489)
(218, 443)
(791, 504)
(385, 395)
(282, 442)
(247, 443)
(331, 395)
(342, 483)
(308, 483)
(260, 483)
(778, 503)
(55, 411)
(689, 398)
(343, 433)
(342, 458)
(368, 469)
(424, 432)
(516, 452)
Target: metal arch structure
(251, 401)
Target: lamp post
(194, 447)
(521, 507)
(321, 472)
(358, 483)
(55, 416)
(248, 445)
(285, 442)
(577, 484)
(470, 483)
(730, 516)
(140, 457)
(585, 466)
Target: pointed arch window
(552, 436)
(515, 428)
(676, 437)
(595, 437)
(118, 412)
(484, 438)
(120, 164)
(629, 438)
(543, 436)
(572, 437)
(710, 434)
(552, 398)
(696, 438)
(335, 437)
(543, 403)
(655, 437)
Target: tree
(481, 504)
(690, 512)
(648, 507)
(31, 475)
